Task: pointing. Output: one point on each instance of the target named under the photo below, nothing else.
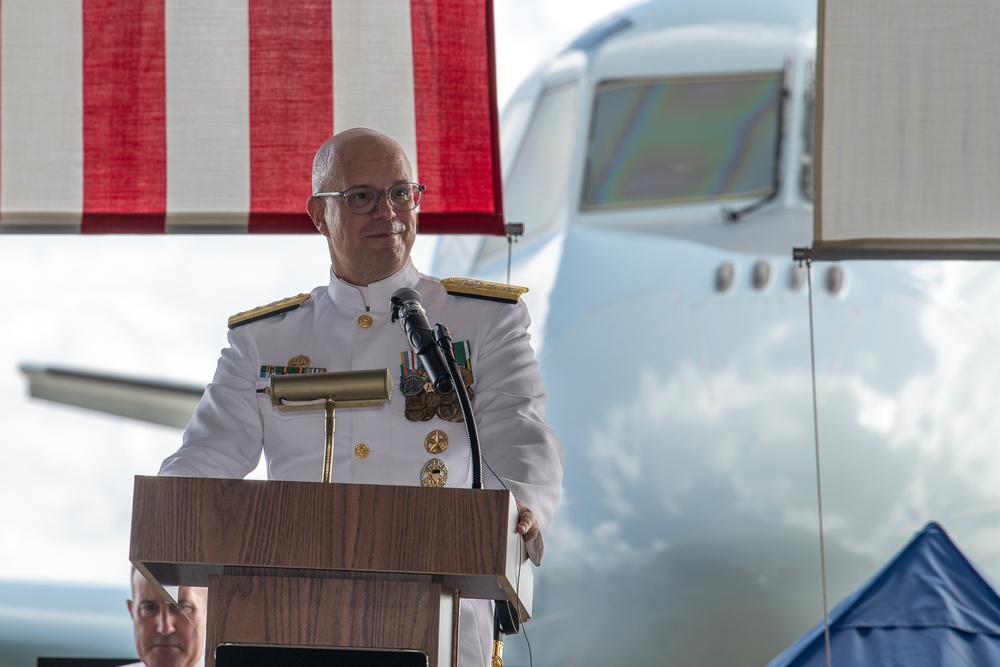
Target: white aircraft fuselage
(675, 342)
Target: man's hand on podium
(526, 525)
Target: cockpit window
(538, 179)
(539, 176)
(685, 139)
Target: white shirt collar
(375, 297)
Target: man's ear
(317, 212)
(128, 603)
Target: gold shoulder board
(274, 308)
(481, 289)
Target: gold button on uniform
(361, 451)
(365, 321)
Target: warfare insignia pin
(299, 361)
(434, 474)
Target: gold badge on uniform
(436, 441)
(299, 361)
(434, 473)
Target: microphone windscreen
(404, 294)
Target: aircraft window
(513, 122)
(685, 139)
(538, 180)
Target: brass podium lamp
(346, 389)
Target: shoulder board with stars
(273, 308)
(480, 289)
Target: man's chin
(163, 655)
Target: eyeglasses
(364, 199)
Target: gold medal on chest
(436, 442)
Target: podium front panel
(303, 612)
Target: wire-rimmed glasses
(363, 199)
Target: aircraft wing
(155, 401)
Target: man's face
(367, 247)
(168, 635)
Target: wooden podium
(339, 566)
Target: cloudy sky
(153, 307)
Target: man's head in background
(168, 635)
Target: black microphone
(407, 307)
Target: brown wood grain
(186, 529)
(295, 611)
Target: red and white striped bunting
(153, 116)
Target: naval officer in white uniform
(364, 204)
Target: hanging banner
(195, 116)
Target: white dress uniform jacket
(344, 327)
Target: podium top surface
(185, 529)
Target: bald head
(337, 152)
(364, 247)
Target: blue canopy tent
(929, 605)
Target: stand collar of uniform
(372, 298)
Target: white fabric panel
(42, 111)
(374, 40)
(208, 128)
(908, 125)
